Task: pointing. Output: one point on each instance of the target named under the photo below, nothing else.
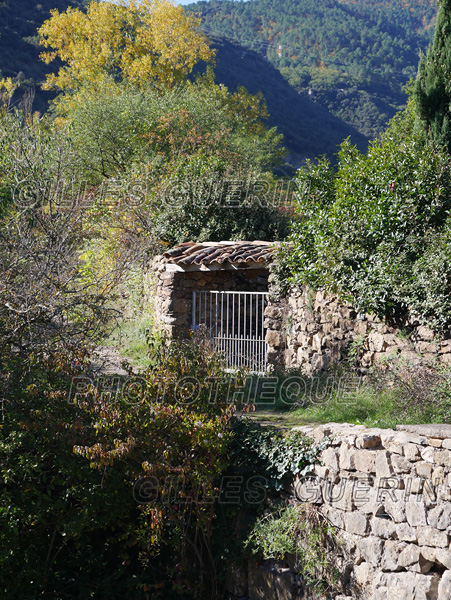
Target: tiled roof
(206, 253)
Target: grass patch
(366, 407)
(131, 338)
(393, 393)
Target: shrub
(299, 530)
(106, 494)
(367, 231)
(60, 521)
(421, 391)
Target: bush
(107, 494)
(421, 392)
(60, 521)
(368, 231)
(274, 535)
(299, 530)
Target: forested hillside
(353, 57)
(309, 129)
(327, 70)
(19, 42)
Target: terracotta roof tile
(206, 253)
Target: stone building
(227, 289)
(221, 287)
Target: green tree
(199, 155)
(432, 92)
(117, 127)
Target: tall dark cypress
(432, 91)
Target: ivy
(275, 455)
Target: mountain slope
(19, 47)
(309, 129)
(328, 69)
(351, 56)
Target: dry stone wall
(311, 330)
(388, 494)
(173, 291)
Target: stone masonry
(174, 291)
(388, 494)
(311, 330)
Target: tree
(46, 300)
(198, 155)
(118, 126)
(432, 92)
(150, 40)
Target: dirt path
(106, 360)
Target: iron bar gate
(234, 323)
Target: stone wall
(307, 329)
(173, 291)
(388, 493)
(312, 331)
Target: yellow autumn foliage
(7, 89)
(150, 40)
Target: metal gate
(234, 323)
